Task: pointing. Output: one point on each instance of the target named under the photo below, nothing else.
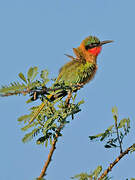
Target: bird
(80, 70)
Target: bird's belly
(90, 76)
(77, 73)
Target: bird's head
(93, 45)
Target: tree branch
(44, 169)
(42, 174)
(39, 91)
(115, 162)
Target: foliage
(47, 119)
(92, 176)
(52, 115)
(113, 137)
(26, 86)
(132, 148)
(110, 134)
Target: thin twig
(40, 91)
(117, 131)
(115, 162)
(68, 97)
(24, 92)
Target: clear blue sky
(38, 33)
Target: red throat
(95, 51)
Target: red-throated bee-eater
(81, 69)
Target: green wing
(76, 72)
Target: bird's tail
(51, 98)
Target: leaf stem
(117, 131)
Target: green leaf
(32, 73)
(50, 140)
(80, 102)
(107, 133)
(81, 176)
(74, 97)
(46, 143)
(22, 77)
(93, 176)
(107, 146)
(30, 135)
(14, 87)
(44, 74)
(110, 127)
(96, 136)
(97, 171)
(25, 128)
(27, 137)
(115, 111)
(24, 118)
(103, 135)
(29, 101)
(41, 140)
(132, 149)
(124, 122)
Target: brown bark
(44, 169)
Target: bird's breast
(90, 73)
(76, 72)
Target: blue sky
(38, 33)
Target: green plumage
(91, 40)
(76, 72)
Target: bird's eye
(92, 45)
(87, 47)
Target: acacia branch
(115, 162)
(44, 169)
(40, 91)
(24, 92)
